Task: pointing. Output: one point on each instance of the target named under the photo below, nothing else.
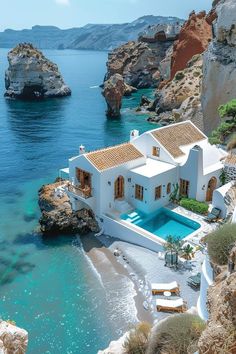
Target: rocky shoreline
(57, 214)
(13, 340)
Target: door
(210, 189)
(119, 187)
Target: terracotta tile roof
(231, 159)
(174, 136)
(113, 156)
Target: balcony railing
(84, 192)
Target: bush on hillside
(136, 342)
(220, 243)
(226, 128)
(177, 334)
(194, 205)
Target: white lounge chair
(177, 305)
(158, 288)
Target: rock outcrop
(57, 214)
(139, 61)
(219, 65)
(220, 334)
(13, 340)
(31, 75)
(193, 39)
(113, 91)
(179, 99)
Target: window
(168, 188)
(158, 192)
(156, 151)
(184, 188)
(138, 192)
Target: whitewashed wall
(145, 143)
(206, 281)
(149, 204)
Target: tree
(188, 252)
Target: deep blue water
(47, 286)
(163, 223)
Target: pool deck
(145, 267)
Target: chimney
(134, 134)
(81, 150)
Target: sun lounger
(213, 215)
(177, 305)
(194, 281)
(159, 288)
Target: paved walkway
(145, 267)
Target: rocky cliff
(13, 340)
(220, 334)
(179, 99)
(31, 75)
(58, 216)
(219, 64)
(193, 39)
(139, 61)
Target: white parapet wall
(130, 234)
(206, 281)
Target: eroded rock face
(13, 340)
(220, 334)
(113, 91)
(194, 38)
(58, 216)
(219, 65)
(139, 61)
(31, 75)
(179, 99)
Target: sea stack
(113, 91)
(31, 75)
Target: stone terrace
(145, 267)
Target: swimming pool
(163, 223)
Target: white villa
(142, 174)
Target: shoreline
(92, 245)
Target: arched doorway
(119, 187)
(210, 189)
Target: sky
(19, 14)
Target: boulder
(219, 65)
(194, 38)
(13, 340)
(31, 75)
(113, 91)
(57, 214)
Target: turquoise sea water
(163, 223)
(48, 286)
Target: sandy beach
(142, 267)
(101, 253)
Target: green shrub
(179, 75)
(194, 205)
(220, 243)
(136, 342)
(176, 335)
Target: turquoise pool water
(163, 223)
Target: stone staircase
(123, 206)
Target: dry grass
(137, 340)
(178, 334)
